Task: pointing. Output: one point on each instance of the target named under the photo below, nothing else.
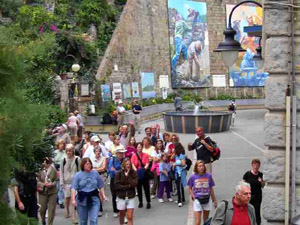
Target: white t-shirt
(108, 144)
(154, 154)
(89, 153)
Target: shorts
(199, 208)
(123, 204)
(73, 130)
(67, 190)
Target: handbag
(203, 199)
(147, 174)
(141, 173)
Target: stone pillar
(277, 53)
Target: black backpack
(76, 162)
(188, 163)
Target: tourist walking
(137, 110)
(99, 164)
(58, 155)
(164, 178)
(62, 134)
(68, 168)
(202, 193)
(80, 127)
(115, 165)
(47, 181)
(24, 188)
(255, 178)
(232, 108)
(73, 124)
(237, 210)
(156, 156)
(121, 113)
(203, 146)
(131, 147)
(180, 172)
(87, 182)
(126, 181)
(140, 163)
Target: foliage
(222, 97)
(9, 7)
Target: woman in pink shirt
(140, 163)
(130, 148)
(73, 124)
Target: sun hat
(120, 149)
(95, 138)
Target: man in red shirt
(237, 211)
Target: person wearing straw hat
(115, 165)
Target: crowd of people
(154, 167)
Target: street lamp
(230, 48)
(75, 67)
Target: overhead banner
(189, 46)
(148, 90)
(244, 73)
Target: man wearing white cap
(121, 112)
(95, 140)
(62, 134)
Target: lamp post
(230, 48)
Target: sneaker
(140, 205)
(161, 200)
(61, 206)
(148, 205)
(170, 199)
(125, 220)
(100, 214)
(116, 215)
(153, 196)
(179, 204)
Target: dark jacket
(125, 186)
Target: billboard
(135, 89)
(105, 93)
(148, 90)
(244, 72)
(189, 48)
(126, 91)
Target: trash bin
(295, 220)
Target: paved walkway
(239, 145)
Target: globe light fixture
(75, 67)
(230, 48)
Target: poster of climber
(105, 93)
(126, 91)
(189, 46)
(245, 72)
(147, 80)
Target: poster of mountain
(147, 80)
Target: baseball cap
(95, 138)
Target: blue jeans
(179, 46)
(90, 212)
(60, 193)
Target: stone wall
(277, 52)
(140, 43)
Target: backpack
(76, 162)
(188, 163)
(215, 155)
(231, 107)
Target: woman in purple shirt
(202, 192)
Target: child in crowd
(164, 180)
